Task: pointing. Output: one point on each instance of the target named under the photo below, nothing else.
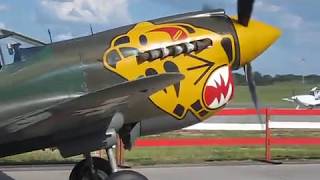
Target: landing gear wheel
(82, 170)
(127, 175)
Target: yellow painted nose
(255, 39)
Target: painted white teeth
(214, 85)
(222, 73)
(229, 92)
(226, 74)
(222, 100)
(215, 80)
(215, 103)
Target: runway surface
(229, 172)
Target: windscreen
(11, 45)
(10, 50)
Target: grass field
(271, 95)
(182, 155)
(177, 155)
(38, 157)
(174, 155)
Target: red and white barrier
(256, 126)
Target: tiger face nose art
(201, 55)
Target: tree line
(263, 80)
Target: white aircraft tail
(314, 89)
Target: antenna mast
(91, 29)
(49, 32)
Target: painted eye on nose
(143, 40)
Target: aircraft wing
(93, 106)
(6, 33)
(288, 99)
(126, 93)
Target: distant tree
(239, 79)
(286, 77)
(267, 80)
(263, 80)
(312, 79)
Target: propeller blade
(252, 89)
(245, 8)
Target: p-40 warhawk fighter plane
(309, 101)
(132, 81)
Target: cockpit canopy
(12, 44)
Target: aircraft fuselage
(203, 46)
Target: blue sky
(71, 18)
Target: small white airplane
(309, 101)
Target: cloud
(263, 6)
(65, 36)
(280, 15)
(89, 11)
(291, 21)
(2, 25)
(297, 30)
(3, 7)
(300, 37)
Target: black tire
(82, 172)
(127, 175)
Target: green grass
(176, 155)
(271, 95)
(38, 157)
(181, 155)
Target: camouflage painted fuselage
(50, 75)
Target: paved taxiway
(230, 172)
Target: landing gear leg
(112, 160)
(121, 175)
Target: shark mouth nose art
(219, 88)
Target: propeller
(252, 88)
(245, 8)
